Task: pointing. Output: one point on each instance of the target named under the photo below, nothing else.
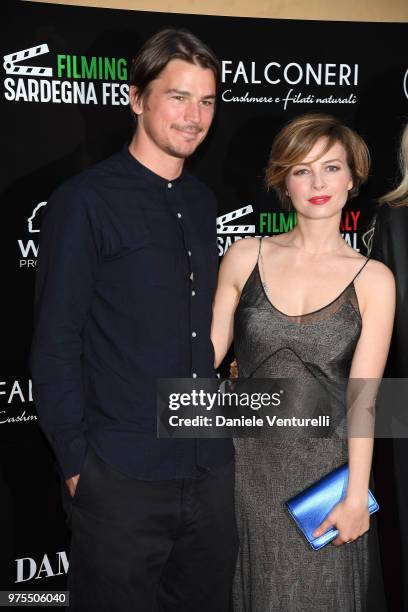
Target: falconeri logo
(73, 79)
(16, 395)
(268, 81)
(29, 248)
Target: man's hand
(72, 484)
(233, 369)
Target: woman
(298, 305)
(390, 245)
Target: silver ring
(348, 542)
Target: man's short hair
(167, 45)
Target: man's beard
(170, 150)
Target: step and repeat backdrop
(64, 106)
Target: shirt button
(179, 215)
(191, 276)
(194, 375)
(189, 253)
(193, 293)
(169, 185)
(194, 334)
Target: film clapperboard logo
(12, 62)
(222, 228)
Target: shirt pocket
(166, 246)
(124, 234)
(136, 255)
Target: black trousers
(400, 447)
(161, 546)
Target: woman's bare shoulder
(243, 249)
(378, 272)
(376, 285)
(239, 260)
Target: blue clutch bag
(310, 507)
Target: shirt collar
(135, 166)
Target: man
(125, 281)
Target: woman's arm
(235, 268)
(391, 247)
(376, 294)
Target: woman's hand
(350, 517)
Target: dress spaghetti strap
(360, 270)
(259, 263)
(259, 250)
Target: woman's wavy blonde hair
(396, 198)
(399, 196)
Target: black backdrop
(63, 110)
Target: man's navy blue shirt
(125, 279)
